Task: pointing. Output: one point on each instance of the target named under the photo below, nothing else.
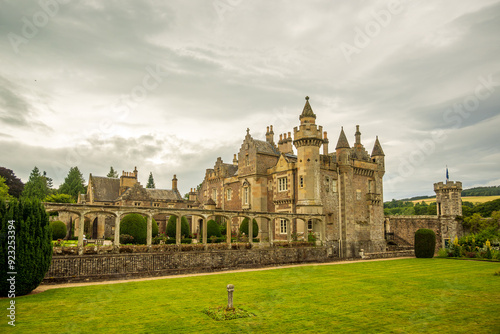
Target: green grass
(400, 296)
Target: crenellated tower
(308, 139)
(448, 198)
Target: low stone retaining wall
(84, 268)
(385, 255)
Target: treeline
(407, 208)
(485, 209)
(482, 191)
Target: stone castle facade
(345, 185)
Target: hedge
(425, 243)
(135, 225)
(244, 227)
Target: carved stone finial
(307, 98)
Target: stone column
(228, 231)
(80, 233)
(178, 230)
(323, 230)
(149, 231)
(117, 231)
(270, 230)
(250, 230)
(288, 230)
(205, 230)
(306, 230)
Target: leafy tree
(112, 173)
(172, 227)
(73, 183)
(15, 184)
(151, 181)
(244, 227)
(32, 244)
(59, 198)
(4, 190)
(136, 225)
(36, 187)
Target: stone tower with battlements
(308, 138)
(448, 198)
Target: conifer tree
(112, 173)
(151, 181)
(73, 183)
(33, 248)
(36, 187)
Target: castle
(344, 185)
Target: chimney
(235, 160)
(192, 195)
(135, 172)
(270, 134)
(358, 136)
(325, 144)
(174, 183)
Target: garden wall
(82, 268)
(404, 228)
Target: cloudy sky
(169, 86)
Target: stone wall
(119, 266)
(404, 228)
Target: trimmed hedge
(58, 229)
(135, 225)
(213, 229)
(425, 243)
(172, 227)
(30, 234)
(244, 227)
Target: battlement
(449, 185)
(128, 174)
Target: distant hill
(481, 191)
(477, 191)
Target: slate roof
(377, 149)
(307, 112)
(105, 189)
(265, 147)
(342, 143)
(163, 194)
(232, 170)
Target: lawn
(398, 296)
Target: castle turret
(307, 140)
(342, 148)
(378, 155)
(448, 198)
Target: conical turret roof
(307, 112)
(342, 143)
(377, 149)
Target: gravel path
(43, 288)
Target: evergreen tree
(73, 183)
(112, 173)
(151, 181)
(4, 190)
(15, 184)
(30, 223)
(36, 187)
(48, 180)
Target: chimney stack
(174, 183)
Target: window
(137, 203)
(302, 182)
(156, 204)
(334, 186)
(229, 193)
(283, 226)
(214, 195)
(245, 195)
(327, 181)
(309, 225)
(283, 184)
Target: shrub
(32, 243)
(425, 243)
(443, 252)
(126, 239)
(58, 229)
(135, 225)
(244, 227)
(172, 226)
(213, 229)
(311, 237)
